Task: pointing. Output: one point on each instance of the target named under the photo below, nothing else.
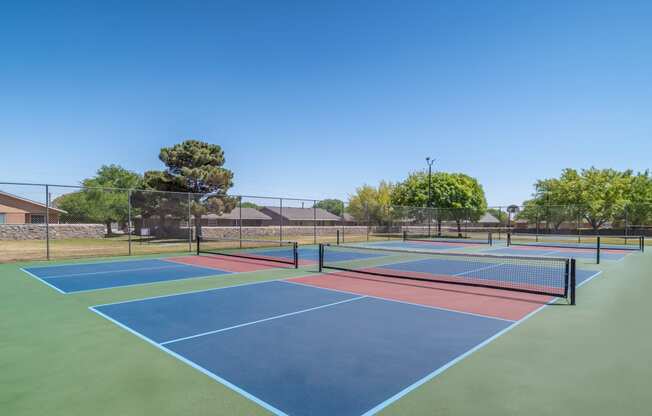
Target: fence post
(366, 212)
(280, 211)
(314, 221)
(240, 220)
(189, 224)
(129, 220)
(343, 221)
(47, 222)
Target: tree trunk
(109, 231)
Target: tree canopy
(334, 206)
(454, 196)
(95, 203)
(194, 167)
(599, 196)
(371, 203)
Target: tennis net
(551, 276)
(275, 251)
(475, 238)
(586, 242)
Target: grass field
(58, 357)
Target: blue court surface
(71, 278)
(580, 254)
(302, 350)
(415, 245)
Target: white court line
(460, 357)
(194, 365)
(261, 320)
(437, 308)
(43, 281)
(479, 269)
(137, 269)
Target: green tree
(597, 195)
(454, 196)
(334, 206)
(371, 204)
(194, 167)
(638, 209)
(104, 198)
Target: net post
(321, 257)
(405, 236)
(598, 249)
(198, 238)
(509, 239)
(642, 243)
(295, 253)
(491, 240)
(572, 281)
(338, 237)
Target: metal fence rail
(45, 221)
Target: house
(300, 216)
(349, 219)
(487, 220)
(17, 210)
(251, 217)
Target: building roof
(29, 201)
(348, 217)
(247, 214)
(487, 218)
(303, 214)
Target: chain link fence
(39, 221)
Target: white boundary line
(271, 318)
(197, 367)
(372, 411)
(437, 308)
(137, 269)
(460, 357)
(43, 281)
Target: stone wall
(57, 231)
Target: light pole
(429, 162)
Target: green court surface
(59, 358)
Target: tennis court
(335, 343)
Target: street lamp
(429, 162)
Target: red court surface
(235, 264)
(483, 301)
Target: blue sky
(312, 99)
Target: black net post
(321, 258)
(295, 254)
(573, 281)
(598, 248)
(338, 237)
